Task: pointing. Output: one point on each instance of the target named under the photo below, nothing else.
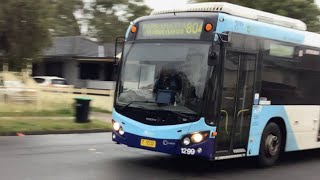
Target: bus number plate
(148, 143)
(188, 151)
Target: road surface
(95, 156)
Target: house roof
(79, 46)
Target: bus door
(237, 100)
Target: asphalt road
(94, 156)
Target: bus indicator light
(134, 29)
(208, 27)
(214, 134)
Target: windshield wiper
(177, 113)
(159, 110)
(127, 105)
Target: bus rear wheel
(270, 146)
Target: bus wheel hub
(272, 145)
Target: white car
(51, 81)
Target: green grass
(67, 112)
(8, 126)
(43, 113)
(96, 109)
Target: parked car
(51, 81)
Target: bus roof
(312, 39)
(239, 11)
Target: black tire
(270, 145)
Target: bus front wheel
(270, 146)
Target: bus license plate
(148, 143)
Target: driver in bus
(168, 80)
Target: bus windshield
(169, 74)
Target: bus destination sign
(171, 29)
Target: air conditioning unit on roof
(239, 11)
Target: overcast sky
(155, 4)
(165, 3)
(174, 3)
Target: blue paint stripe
(260, 117)
(259, 29)
(160, 132)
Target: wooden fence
(77, 90)
(50, 98)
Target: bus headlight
(196, 138)
(116, 126)
(121, 131)
(186, 141)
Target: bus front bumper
(166, 139)
(169, 146)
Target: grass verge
(68, 112)
(43, 113)
(96, 109)
(42, 126)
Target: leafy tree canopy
(23, 30)
(62, 15)
(26, 27)
(110, 18)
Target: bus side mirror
(119, 45)
(213, 58)
(214, 54)
(116, 71)
(115, 68)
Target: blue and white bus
(218, 81)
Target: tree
(64, 22)
(112, 17)
(23, 30)
(305, 10)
